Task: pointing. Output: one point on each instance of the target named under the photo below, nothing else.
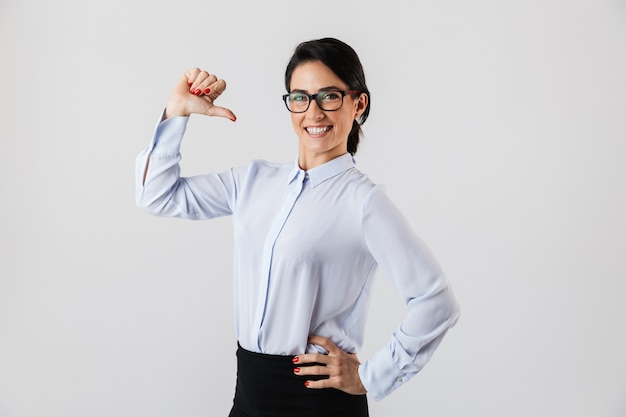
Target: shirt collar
(321, 173)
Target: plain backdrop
(498, 127)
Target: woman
(308, 238)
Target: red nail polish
(197, 91)
(207, 90)
(189, 83)
(296, 370)
(306, 383)
(295, 358)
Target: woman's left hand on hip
(341, 367)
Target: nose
(314, 111)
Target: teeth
(317, 130)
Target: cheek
(347, 119)
(295, 120)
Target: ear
(361, 105)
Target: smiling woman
(308, 238)
(324, 127)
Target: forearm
(157, 170)
(411, 346)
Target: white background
(499, 128)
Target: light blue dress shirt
(307, 245)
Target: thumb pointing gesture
(196, 92)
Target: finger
(312, 370)
(353, 389)
(201, 84)
(199, 77)
(310, 358)
(191, 74)
(216, 87)
(320, 384)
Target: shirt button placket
(295, 190)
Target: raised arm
(159, 188)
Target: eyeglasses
(327, 100)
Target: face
(323, 135)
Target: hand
(195, 92)
(342, 368)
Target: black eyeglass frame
(316, 97)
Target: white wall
(499, 128)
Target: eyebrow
(331, 88)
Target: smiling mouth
(318, 130)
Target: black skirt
(268, 387)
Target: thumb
(221, 112)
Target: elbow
(453, 307)
(145, 205)
(149, 204)
(142, 203)
(450, 310)
(441, 306)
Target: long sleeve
(161, 191)
(417, 276)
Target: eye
(330, 95)
(298, 97)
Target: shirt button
(399, 380)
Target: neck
(308, 161)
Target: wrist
(174, 108)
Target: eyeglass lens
(326, 100)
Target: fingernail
(207, 90)
(197, 91)
(306, 383)
(295, 358)
(189, 83)
(296, 370)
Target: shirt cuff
(168, 134)
(381, 376)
